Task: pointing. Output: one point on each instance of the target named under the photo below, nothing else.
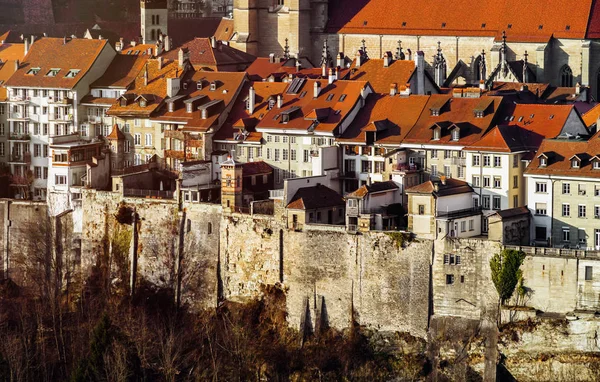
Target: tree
(506, 272)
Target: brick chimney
(331, 77)
(251, 100)
(167, 43)
(316, 89)
(393, 89)
(387, 59)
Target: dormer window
(479, 114)
(437, 133)
(72, 73)
(171, 107)
(575, 163)
(142, 102)
(213, 86)
(33, 71)
(435, 112)
(123, 102)
(455, 134)
(52, 72)
(199, 85)
(543, 161)
(596, 164)
(271, 103)
(188, 107)
(185, 85)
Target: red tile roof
(116, 133)
(452, 187)
(527, 21)
(121, 72)
(256, 168)
(338, 98)
(12, 52)
(316, 197)
(591, 117)
(49, 53)
(454, 113)
(224, 31)
(228, 85)
(203, 55)
(10, 37)
(373, 188)
(380, 77)
(7, 69)
(398, 113)
(239, 117)
(560, 152)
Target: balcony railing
(20, 158)
(348, 175)
(19, 137)
(276, 194)
(403, 167)
(18, 116)
(457, 161)
(456, 214)
(18, 98)
(60, 117)
(60, 100)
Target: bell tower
(231, 184)
(154, 20)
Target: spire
(286, 50)
(399, 53)
(482, 66)
(525, 74)
(503, 52)
(364, 50)
(439, 65)
(325, 57)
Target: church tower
(116, 140)
(154, 20)
(262, 26)
(231, 184)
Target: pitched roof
(240, 124)
(10, 37)
(116, 133)
(121, 72)
(452, 187)
(256, 168)
(224, 31)
(373, 188)
(52, 53)
(400, 114)
(512, 212)
(339, 98)
(591, 116)
(381, 77)
(7, 69)
(523, 21)
(202, 54)
(227, 86)
(454, 113)
(316, 197)
(561, 151)
(12, 52)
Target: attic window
(574, 163)
(142, 102)
(532, 115)
(365, 23)
(342, 98)
(512, 118)
(443, 25)
(404, 23)
(171, 106)
(72, 73)
(551, 116)
(337, 112)
(199, 85)
(271, 104)
(509, 26)
(302, 94)
(455, 134)
(52, 72)
(330, 97)
(483, 25)
(479, 114)
(520, 119)
(596, 165)
(213, 86)
(436, 133)
(568, 27)
(543, 162)
(123, 102)
(189, 107)
(33, 71)
(540, 27)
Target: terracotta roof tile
(12, 52)
(116, 133)
(467, 18)
(381, 77)
(263, 68)
(203, 55)
(121, 72)
(401, 113)
(373, 188)
(316, 197)
(452, 187)
(49, 53)
(562, 150)
(139, 50)
(7, 69)
(591, 117)
(256, 168)
(224, 31)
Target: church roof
(524, 21)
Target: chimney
(173, 85)
(324, 70)
(167, 43)
(16, 65)
(577, 89)
(331, 77)
(409, 54)
(393, 89)
(133, 43)
(387, 59)
(279, 101)
(251, 100)
(160, 62)
(340, 60)
(146, 75)
(32, 40)
(436, 186)
(358, 59)
(158, 48)
(443, 180)
(420, 68)
(26, 46)
(336, 73)
(182, 56)
(213, 42)
(481, 85)
(99, 37)
(317, 89)
(272, 58)
(119, 46)
(65, 40)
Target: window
(285, 139)
(259, 152)
(476, 159)
(588, 273)
(365, 166)
(497, 202)
(540, 233)
(581, 211)
(497, 161)
(268, 153)
(566, 209)
(447, 171)
(486, 181)
(434, 170)
(461, 172)
(306, 155)
(137, 139)
(455, 134)
(137, 159)
(37, 172)
(476, 181)
(148, 139)
(277, 138)
(597, 212)
(277, 155)
(379, 167)
(566, 188)
(515, 160)
(148, 157)
(515, 201)
(566, 234)
(2, 149)
(541, 187)
(250, 153)
(447, 154)
(269, 138)
(127, 146)
(515, 181)
(421, 209)
(60, 179)
(52, 72)
(543, 162)
(582, 189)
(72, 73)
(485, 202)
(497, 182)
(434, 154)
(37, 150)
(293, 154)
(566, 76)
(471, 225)
(449, 279)
(463, 226)
(575, 163)
(596, 165)
(486, 160)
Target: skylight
(33, 71)
(72, 73)
(53, 72)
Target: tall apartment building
(44, 100)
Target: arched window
(477, 70)
(153, 20)
(157, 19)
(152, 35)
(566, 77)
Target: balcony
(175, 134)
(18, 99)
(457, 214)
(19, 137)
(60, 117)
(348, 175)
(18, 116)
(407, 167)
(457, 161)
(94, 119)
(20, 158)
(175, 154)
(276, 194)
(60, 100)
